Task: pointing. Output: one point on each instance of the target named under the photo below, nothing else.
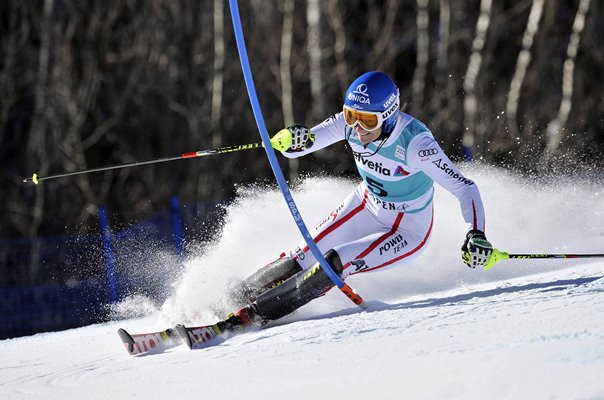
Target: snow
(433, 330)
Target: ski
(196, 337)
(149, 343)
(200, 337)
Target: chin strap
(383, 137)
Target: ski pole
(498, 255)
(220, 150)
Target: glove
(294, 137)
(476, 249)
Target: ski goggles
(368, 120)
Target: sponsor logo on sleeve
(427, 153)
(447, 169)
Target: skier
(386, 221)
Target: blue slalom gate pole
(272, 158)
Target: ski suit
(388, 218)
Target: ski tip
(182, 331)
(127, 340)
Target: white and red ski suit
(388, 218)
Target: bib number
(376, 187)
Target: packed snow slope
(434, 329)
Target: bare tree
(556, 126)
(287, 94)
(218, 75)
(442, 59)
(36, 144)
(84, 84)
(11, 43)
(423, 55)
(37, 138)
(339, 46)
(522, 64)
(313, 18)
(471, 77)
(380, 58)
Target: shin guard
(262, 280)
(297, 290)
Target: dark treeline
(85, 84)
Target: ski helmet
(373, 93)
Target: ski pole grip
(282, 141)
(494, 258)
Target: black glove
(476, 249)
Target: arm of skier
(297, 140)
(426, 154)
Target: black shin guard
(297, 290)
(262, 280)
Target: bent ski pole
(220, 150)
(498, 255)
